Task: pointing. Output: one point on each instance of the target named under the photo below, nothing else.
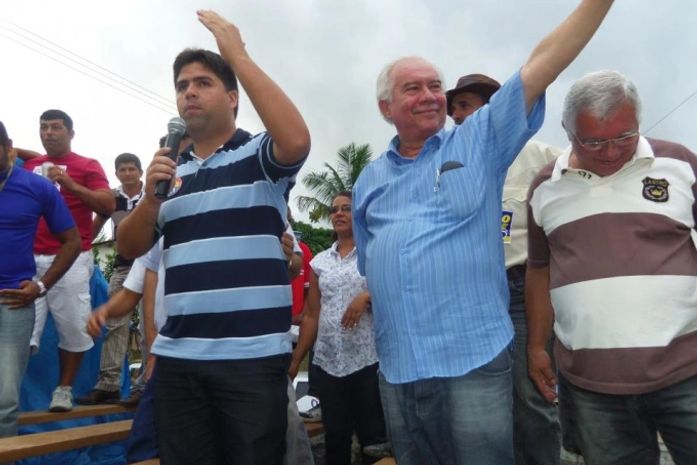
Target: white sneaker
(62, 400)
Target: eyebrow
(419, 81)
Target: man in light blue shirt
(427, 224)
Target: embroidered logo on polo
(506, 220)
(655, 190)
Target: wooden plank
(148, 462)
(314, 429)
(82, 411)
(31, 445)
(386, 461)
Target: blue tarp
(41, 379)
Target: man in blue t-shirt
(25, 199)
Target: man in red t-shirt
(301, 283)
(85, 189)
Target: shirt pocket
(460, 192)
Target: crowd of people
(477, 277)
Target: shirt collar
(393, 154)
(131, 201)
(123, 194)
(643, 152)
(334, 250)
(238, 139)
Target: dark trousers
(142, 442)
(217, 412)
(350, 403)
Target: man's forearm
(538, 307)
(121, 303)
(556, 51)
(279, 115)
(136, 233)
(68, 252)
(101, 202)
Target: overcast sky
(326, 55)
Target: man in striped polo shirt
(223, 354)
(612, 265)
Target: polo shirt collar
(238, 139)
(643, 152)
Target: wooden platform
(83, 411)
(31, 445)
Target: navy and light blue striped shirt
(227, 293)
(428, 234)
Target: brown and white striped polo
(623, 268)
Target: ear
(234, 97)
(384, 106)
(72, 134)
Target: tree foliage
(351, 159)
(317, 239)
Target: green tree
(325, 185)
(317, 239)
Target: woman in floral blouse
(338, 309)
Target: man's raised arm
(560, 47)
(279, 115)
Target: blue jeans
(453, 421)
(622, 429)
(16, 326)
(536, 430)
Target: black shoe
(99, 396)
(132, 400)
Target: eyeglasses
(594, 145)
(344, 208)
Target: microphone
(175, 130)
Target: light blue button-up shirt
(428, 235)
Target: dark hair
(210, 60)
(58, 114)
(127, 158)
(343, 194)
(4, 138)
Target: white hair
(601, 93)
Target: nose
(428, 94)
(611, 150)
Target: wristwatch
(42, 288)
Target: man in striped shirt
(427, 225)
(612, 265)
(223, 354)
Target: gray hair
(600, 93)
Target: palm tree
(325, 185)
